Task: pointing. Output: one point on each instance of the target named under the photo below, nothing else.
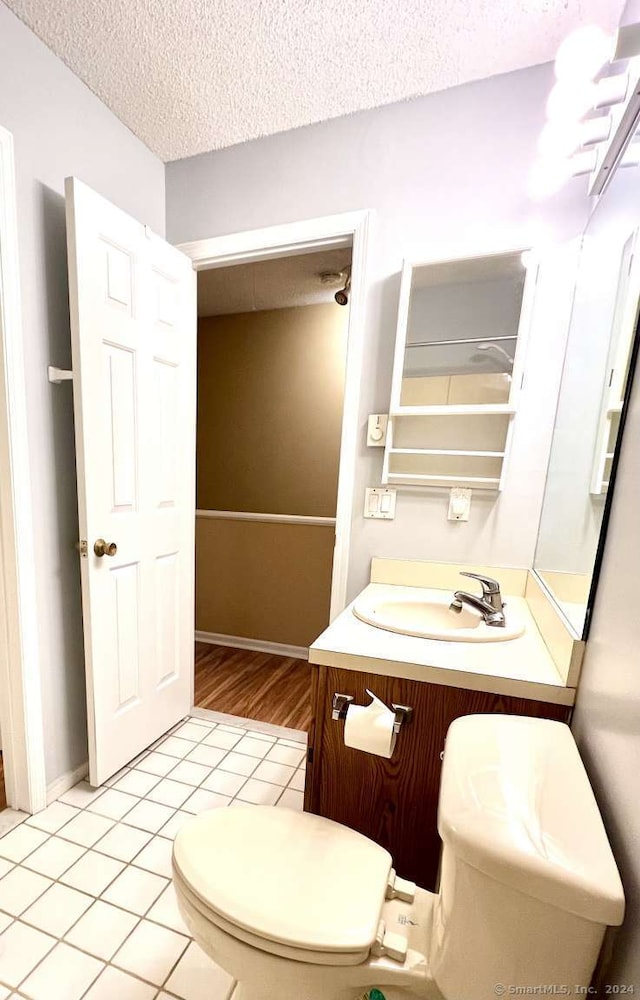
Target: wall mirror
(462, 327)
(590, 414)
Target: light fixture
(342, 296)
(584, 53)
(563, 140)
(332, 277)
(547, 176)
(592, 110)
(571, 100)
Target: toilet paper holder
(341, 702)
(340, 706)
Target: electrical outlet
(459, 504)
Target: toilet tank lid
(516, 804)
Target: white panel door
(133, 324)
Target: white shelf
(444, 479)
(455, 410)
(446, 451)
(475, 445)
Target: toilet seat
(293, 884)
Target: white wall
(60, 128)
(607, 717)
(443, 173)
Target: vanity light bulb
(557, 140)
(565, 138)
(569, 101)
(547, 177)
(583, 53)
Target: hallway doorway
(272, 344)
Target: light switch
(459, 504)
(377, 430)
(380, 503)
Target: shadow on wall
(62, 549)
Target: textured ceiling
(188, 76)
(270, 284)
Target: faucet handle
(488, 584)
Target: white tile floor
(87, 909)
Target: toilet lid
(285, 876)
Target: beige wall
(263, 581)
(270, 387)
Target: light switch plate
(459, 504)
(377, 430)
(380, 503)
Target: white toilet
(296, 907)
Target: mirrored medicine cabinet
(596, 381)
(460, 344)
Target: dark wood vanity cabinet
(394, 801)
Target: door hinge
(82, 547)
(309, 755)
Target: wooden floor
(256, 686)
(3, 797)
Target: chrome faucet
(489, 604)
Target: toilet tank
(528, 883)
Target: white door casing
(133, 326)
(20, 697)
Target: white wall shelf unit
(452, 411)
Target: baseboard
(258, 645)
(66, 781)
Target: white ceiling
(188, 76)
(270, 284)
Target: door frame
(326, 233)
(20, 696)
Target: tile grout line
(208, 730)
(95, 899)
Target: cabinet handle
(442, 755)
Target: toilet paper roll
(370, 728)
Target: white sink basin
(431, 618)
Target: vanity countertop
(520, 667)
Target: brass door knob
(102, 548)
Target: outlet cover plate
(459, 504)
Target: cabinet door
(394, 802)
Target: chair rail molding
(20, 696)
